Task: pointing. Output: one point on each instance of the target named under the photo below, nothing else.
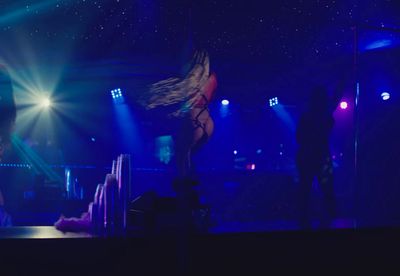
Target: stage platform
(46, 251)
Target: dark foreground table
(45, 251)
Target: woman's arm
(210, 87)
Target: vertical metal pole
(356, 120)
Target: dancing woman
(192, 96)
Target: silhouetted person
(7, 120)
(313, 156)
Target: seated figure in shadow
(7, 120)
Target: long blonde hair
(184, 91)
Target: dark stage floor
(44, 251)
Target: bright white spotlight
(385, 96)
(46, 102)
(225, 102)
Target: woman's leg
(305, 166)
(305, 185)
(183, 144)
(325, 179)
(202, 135)
(203, 126)
(194, 133)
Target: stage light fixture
(385, 96)
(116, 93)
(117, 96)
(273, 101)
(344, 105)
(225, 102)
(235, 152)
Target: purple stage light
(344, 105)
(251, 167)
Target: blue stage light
(117, 95)
(235, 152)
(385, 96)
(225, 102)
(378, 44)
(273, 101)
(14, 165)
